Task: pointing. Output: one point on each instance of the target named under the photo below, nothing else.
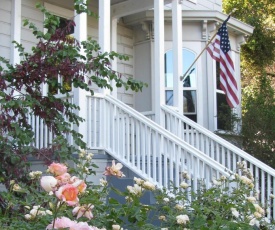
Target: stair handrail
(222, 141)
(168, 134)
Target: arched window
(189, 83)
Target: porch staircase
(162, 154)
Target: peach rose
(79, 184)
(57, 169)
(64, 178)
(68, 193)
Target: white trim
(16, 30)
(177, 54)
(114, 48)
(104, 30)
(59, 11)
(158, 80)
(193, 1)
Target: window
(189, 83)
(64, 81)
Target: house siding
(30, 12)
(202, 5)
(5, 31)
(125, 45)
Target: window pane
(224, 113)
(189, 101)
(169, 97)
(169, 69)
(190, 78)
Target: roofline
(194, 15)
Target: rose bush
(65, 199)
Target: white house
(162, 39)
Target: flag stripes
(220, 51)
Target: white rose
(116, 227)
(28, 217)
(184, 185)
(148, 185)
(182, 219)
(48, 183)
(235, 212)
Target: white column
(104, 34)
(177, 54)
(114, 48)
(158, 78)
(16, 30)
(80, 95)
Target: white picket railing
(222, 152)
(145, 147)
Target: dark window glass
(224, 113)
(63, 22)
(189, 101)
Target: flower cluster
(139, 186)
(177, 207)
(35, 175)
(36, 210)
(67, 189)
(62, 184)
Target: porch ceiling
(121, 8)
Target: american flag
(220, 51)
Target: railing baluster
(148, 151)
(154, 155)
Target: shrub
(64, 198)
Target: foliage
(231, 203)
(22, 95)
(259, 50)
(257, 62)
(259, 112)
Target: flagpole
(183, 76)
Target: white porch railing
(145, 147)
(158, 154)
(221, 151)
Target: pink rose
(57, 169)
(61, 223)
(65, 223)
(114, 170)
(85, 210)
